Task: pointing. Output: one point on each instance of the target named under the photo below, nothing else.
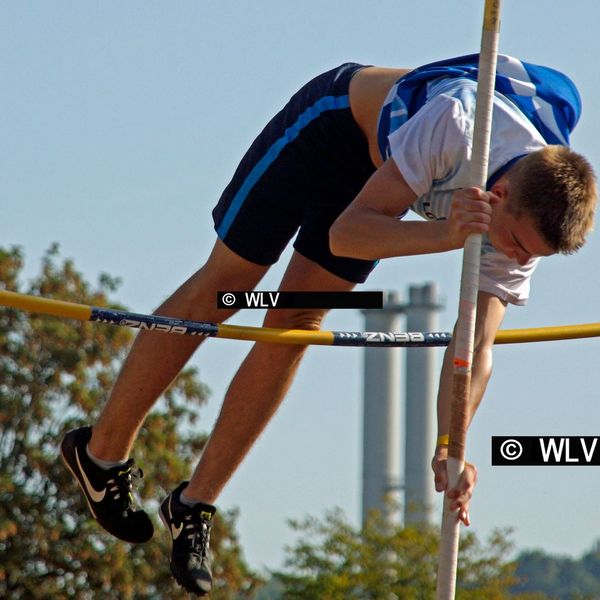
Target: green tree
(54, 375)
(561, 577)
(332, 560)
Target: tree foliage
(561, 577)
(55, 375)
(332, 560)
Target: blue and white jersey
(426, 126)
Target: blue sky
(121, 124)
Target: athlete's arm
(490, 312)
(369, 228)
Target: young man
(341, 164)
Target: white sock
(104, 464)
(187, 501)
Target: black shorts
(300, 173)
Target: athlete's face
(516, 237)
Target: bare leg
(156, 358)
(260, 384)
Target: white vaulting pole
(465, 329)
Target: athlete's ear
(499, 192)
(493, 199)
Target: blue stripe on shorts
(291, 133)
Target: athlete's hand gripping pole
(465, 329)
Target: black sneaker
(108, 492)
(190, 530)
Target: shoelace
(198, 533)
(122, 485)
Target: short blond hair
(556, 187)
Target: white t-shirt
(432, 150)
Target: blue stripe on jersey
(290, 134)
(548, 98)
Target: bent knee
(308, 319)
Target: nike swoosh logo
(175, 531)
(94, 495)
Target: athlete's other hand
(461, 495)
